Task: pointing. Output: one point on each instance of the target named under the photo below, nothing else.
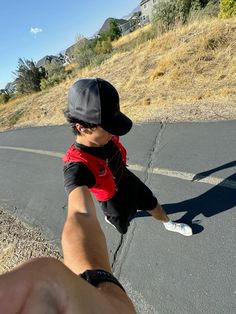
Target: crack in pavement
(155, 148)
(116, 252)
(124, 244)
(124, 249)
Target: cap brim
(119, 125)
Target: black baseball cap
(96, 101)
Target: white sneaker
(178, 227)
(109, 222)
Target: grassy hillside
(186, 74)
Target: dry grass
(125, 39)
(186, 74)
(20, 242)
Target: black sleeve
(77, 174)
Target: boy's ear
(83, 129)
(79, 127)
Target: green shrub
(169, 13)
(46, 83)
(84, 53)
(2, 100)
(99, 59)
(227, 8)
(211, 9)
(103, 47)
(55, 73)
(4, 96)
(15, 116)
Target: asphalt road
(163, 272)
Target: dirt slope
(184, 75)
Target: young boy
(97, 159)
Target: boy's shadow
(216, 200)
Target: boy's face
(93, 137)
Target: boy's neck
(82, 140)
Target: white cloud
(35, 30)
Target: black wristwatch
(96, 276)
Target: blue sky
(34, 29)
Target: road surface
(163, 272)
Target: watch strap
(96, 276)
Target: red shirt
(104, 188)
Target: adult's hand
(47, 286)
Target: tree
(114, 31)
(84, 52)
(28, 76)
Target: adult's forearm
(83, 241)
(84, 245)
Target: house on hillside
(125, 25)
(50, 59)
(131, 24)
(71, 51)
(10, 87)
(147, 7)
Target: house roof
(43, 61)
(11, 86)
(70, 50)
(135, 15)
(129, 16)
(106, 25)
(143, 2)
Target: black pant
(132, 195)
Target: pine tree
(28, 76)
(114, 31)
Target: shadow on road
(202, 175)
(216, 200)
